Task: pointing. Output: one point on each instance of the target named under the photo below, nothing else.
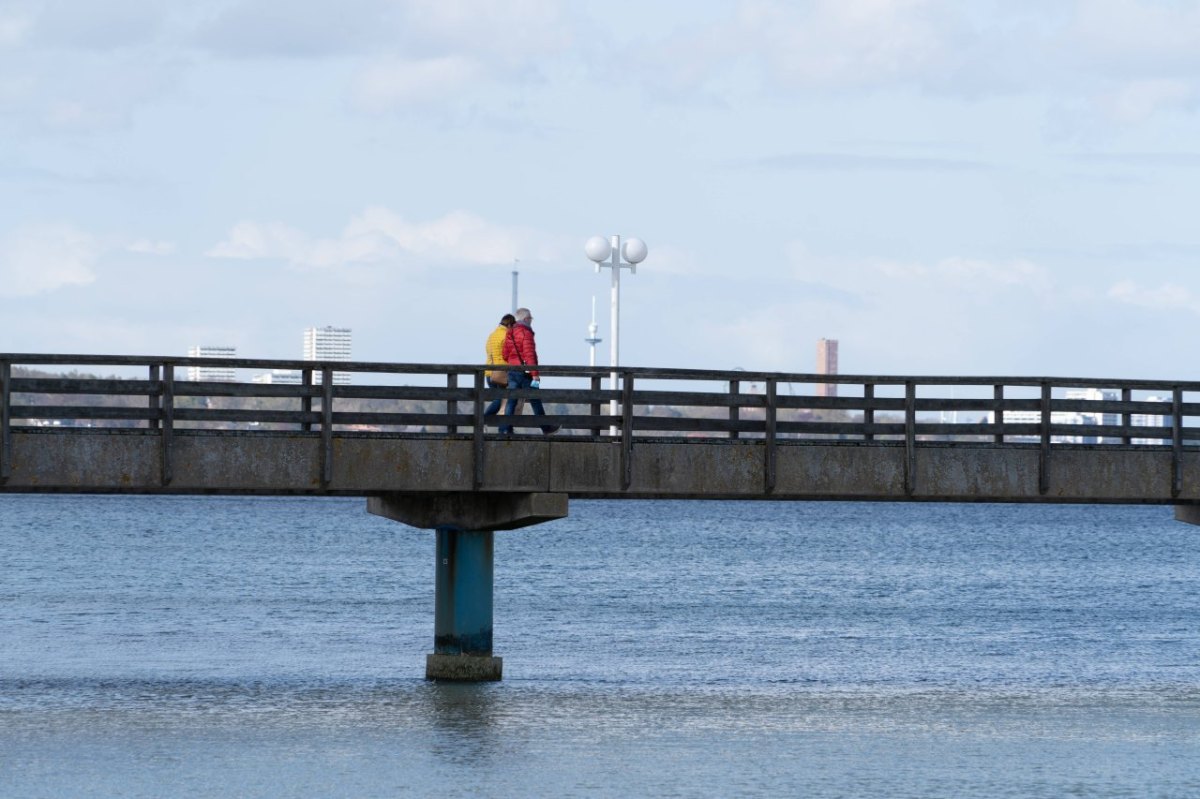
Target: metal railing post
(451, 405)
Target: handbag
(499, 377)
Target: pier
(413, 440)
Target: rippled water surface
(218, 647)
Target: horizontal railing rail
(690, 404)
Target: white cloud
(772, 328)
(819, 45)
(975, 274)
(670, 260)
(298, 28)
(445, 47)
(1136, 101)
(13, 28)
(102, 27)
(508, 31)
(84, 92)
(504, 33)
(273, 240)
(395, 82)
(1123, 60)
(43, 258)
(378, 234)
(1167, 297)
(1151, 37)
(151, 247)
(886, 311)
(847, 42)
(952, 274)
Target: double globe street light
(609, 252)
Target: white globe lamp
(634, 250)
(598, 249)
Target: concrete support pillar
(462, 626)
(465, 523)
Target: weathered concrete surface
(228, 462)
(283, 463)
(463, 668)
(492, 510)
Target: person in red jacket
(520, 352)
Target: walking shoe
(552, 429)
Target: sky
(947, 187)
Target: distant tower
(328, 344)
(515, 275)
(216, 374)
(592, 339)
(827, 364)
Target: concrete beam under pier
(1188, 513)
(467, 510)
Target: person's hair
(508, 320)
(523, 314)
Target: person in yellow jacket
(494, 348)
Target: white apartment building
(288, 377)
(328, 344)
(218, 374)
(1152, 420)
(1083, 418)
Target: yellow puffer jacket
(495, 345)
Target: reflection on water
(279, 739)
(465, 721)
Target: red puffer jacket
(520, 347)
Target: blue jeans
(521, 380)
(493, 406)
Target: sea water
(274, 647)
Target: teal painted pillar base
(462, 625)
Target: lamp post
(609, 252)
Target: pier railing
(69, 392)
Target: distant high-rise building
(328, 344)
(216, 374)
(827, 364)
(277, 376)
(1090, 418)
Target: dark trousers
(520, 380)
